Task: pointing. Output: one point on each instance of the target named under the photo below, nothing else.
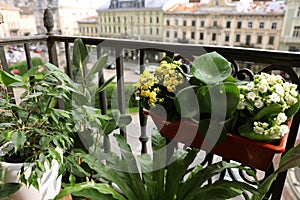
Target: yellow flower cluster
(166, 74)
(169, 75)
(146, 89)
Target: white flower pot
(49, 184)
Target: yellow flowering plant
(160, 86)
(189, 95)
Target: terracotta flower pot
(248, 152)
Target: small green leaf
(99, 65)
(18, 139)
(267, 112)
(7, 79)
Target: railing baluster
(103, 101)
(68, 62)
(4, 65)
(28, 56)
(143, 118)
(120, 84)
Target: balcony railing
(258, 60)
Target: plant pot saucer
(251, 153)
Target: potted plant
(127, 176)
(202, 109)
(39, 128)
(34, 133)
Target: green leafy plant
(32, 126)
(208, 94)
(146, 177)
(51, 112)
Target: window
(157, 31)
(168, 22)
(239, 24)
(274, 25)
(151, 20)
(202, 23)
(296, 32)
(176, 22)
(248, 39)
(213, 36)
(261, 25)
(192, 35)
(201, 36)
(167, 34)
(175, 34)
(150, 31)
(271, 40)
(226, 38)
(259, 39)
(184, 22)
(298, 12)
(228, 23)
(215, 24)
(157, 19)
(125, 19)
(237, 37)
(193, 23)
(250, 24)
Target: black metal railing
(258, 60)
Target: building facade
(88, 26)
(257, 24)
(131, 23)
(11, 18)
(290, 38)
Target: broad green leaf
(220, 100)
(7, 189)
(103, 87)
(267, 112)
(91, 190)
(186, 102)
(80, 53)
(223, 189)
(176, 170)
(18, 138)
(246, 130)
(100, 63)
(290, 160)
(211, 68)
(293, 109)
(192, 185)
(130, 165)
(212, 131)
(159, 162)
(7, 79)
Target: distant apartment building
(219, 22)
(70, 12)
(11, 18)
(88, 26)
(290, 38)
(132, 20)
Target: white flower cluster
(264, 90)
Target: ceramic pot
(50, 183)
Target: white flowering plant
(265, 105)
